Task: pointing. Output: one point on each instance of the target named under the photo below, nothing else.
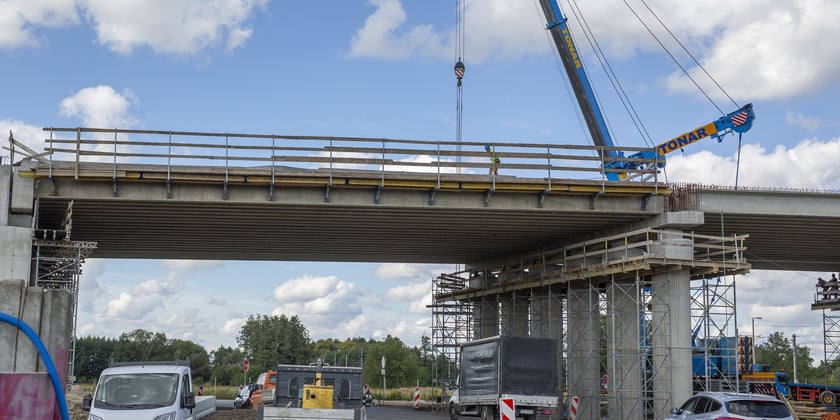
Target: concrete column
(27, 356)
(513, 312)
(11, 298)
(15, 229)
(56, 325)
(15, 252)
(5, 193)
(485, 308)
(486, 317)
(624, 360)
(584, 349)
(547, 322)
(671, 327)
(49, 314)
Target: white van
(147, 390)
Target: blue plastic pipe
(45, 355)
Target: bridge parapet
(384, 156)
(630, 255)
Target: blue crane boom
(615, 164)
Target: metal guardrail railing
(631, 252)
(383, 155)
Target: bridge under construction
(624, 274)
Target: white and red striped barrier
(416, 397)
(507, 409)
(573, 408)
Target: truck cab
(264, 394)
(146, 390)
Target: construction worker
(823, 288)
(495, 162)
(833, 286)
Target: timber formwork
(609, 278)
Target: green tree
(199, 360)
(402, 367)
(776, 355)
(141, 345)
(227, 365)
(92, 356)
(271, 340)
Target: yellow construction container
(315, 396)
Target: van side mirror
(189, 400)
(87, 401)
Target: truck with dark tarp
(522, 369)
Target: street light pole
(753, 341)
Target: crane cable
(700, 66)
(673, 58)
(460, 8)
(611, 76)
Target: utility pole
(795, 377)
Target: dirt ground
(233, 415)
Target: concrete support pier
(514, 313)
(624, 360)
(584, 349)
(671, 327)
(547, 322)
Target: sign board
(246, 365)
(507, 409)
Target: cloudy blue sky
(383, 68)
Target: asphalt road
(403, 413)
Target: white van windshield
(137, 390)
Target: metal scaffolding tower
(452, 325)
(57, 264)
(826, 299)
(715, 335)
(612, 301)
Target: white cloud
(143, 299)
(409, 291)
(787, 310)
(397, 271)
(231, 327)
(20, 18)
(191, 265)
(809, 164)
(181, 27)
(730, 39)
(382, 37)
(760, 54)
(322, 303)
(31, 136)
(421, 272)
(417, 295)
(99, 106)
(800, 120)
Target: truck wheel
(828, 397)
(453, 415)
(488, 413)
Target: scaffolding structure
(57, 264)
(827, 300)
(715, 336)
(452, 325)
(607, 289)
